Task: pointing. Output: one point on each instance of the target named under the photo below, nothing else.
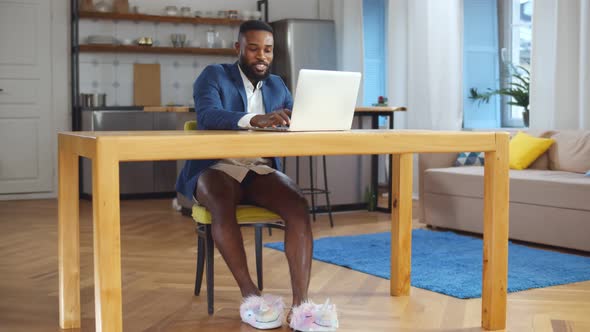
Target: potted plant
(518, 89)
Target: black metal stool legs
(312, 190)
(327, 193)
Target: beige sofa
(549, 201)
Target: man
(240, 96)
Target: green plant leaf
(518, 89)
(520, 78)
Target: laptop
(324, 101)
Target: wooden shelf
(155, 50)
(379, 109)
(157, 18)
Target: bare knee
(297, 210)
(278, 193)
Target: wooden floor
(159, 249)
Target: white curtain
(425, 65)
(348, 19)
(425, 62)
(560, 72)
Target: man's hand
(274, 119)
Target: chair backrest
(190, 125)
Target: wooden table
(108, 149)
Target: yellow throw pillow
(525, 149)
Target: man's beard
(251, 73)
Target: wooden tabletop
(174, 145)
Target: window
(516, 51)
(374, 50)
(480, 62)
(497, 39)
(374, 76)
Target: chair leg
(327, 193)
(258, 244)
(200, 264)
(312, 190)
(209, 262)
(297, 170)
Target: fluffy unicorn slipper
(263, 312)
(308, 317)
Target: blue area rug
(449, 263)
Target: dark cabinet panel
(136, 178)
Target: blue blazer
(220, 102)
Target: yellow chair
(247, 216)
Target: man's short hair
(254, 25)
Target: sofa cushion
(543, 161)
(571, 151)
(525, 149)
(470, 159)
(539, 187)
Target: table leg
(68, 216)
(495, 236)
(401, 224)
(107, 243)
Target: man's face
(256, 52)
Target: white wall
(60, 70)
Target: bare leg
(280, 194)
(220, 194)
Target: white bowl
(171, 10)
(255, 15)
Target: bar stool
(313, 190)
